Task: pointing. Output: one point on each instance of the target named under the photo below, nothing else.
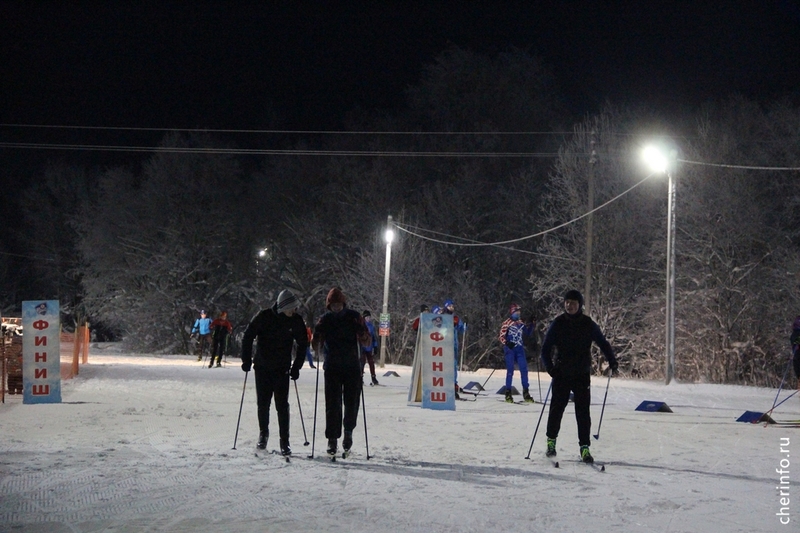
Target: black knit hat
(574, 295)
(366, 313)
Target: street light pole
(388, 236)
(587, 292)
(670, 368)
(658, 163)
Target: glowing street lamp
(384, 324)
(658, 162)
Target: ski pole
(785, 372)
(316, 395)
(300, 409)
(539, 375)
(483, 387)
(779, 404)
(364, 411)
(544, 403)
(240, 411)
(597, 437)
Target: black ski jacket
(276, 334)
(572, 337)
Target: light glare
(655, 159)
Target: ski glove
(553, 371)
(246, 366)
(294, 373)
(510, 345)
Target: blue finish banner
(438, 361)
(41, 357)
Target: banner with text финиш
(41, 357)
(437, 361)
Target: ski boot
(347, 442)
(219, 365)
(374, 380)
(509, 397)
(332, 447)
(457, 396)
(262, 440)
(527, 396)
(551, 448)
(285, 449)
(586, 457)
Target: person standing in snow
(572, 334)
(220, 329)
(202, 330)
(458, 327)
(795, 342)
(338, 334)
(278, 329)
(512, 334)
(309, 355)
(368, 352)
(415, 325)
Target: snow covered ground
(145, 443)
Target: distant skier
(368, 352)
(513, 332)
(795, 341)
(220, 329)
(572, 334)
(277, 329)
(202, 330)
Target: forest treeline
(139, 250)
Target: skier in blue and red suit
(512, 333)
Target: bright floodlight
(262, 253)
(655, 159)
(388, 236)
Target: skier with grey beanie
(278, 329)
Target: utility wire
(284, 132)
(520, 239)
(742, 167)
(256, 151)
(540, 254)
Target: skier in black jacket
(572, 334)
(339, 333)
(277, 329)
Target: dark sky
(234, 65)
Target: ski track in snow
(144, 443)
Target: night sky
(301, 66)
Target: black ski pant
(342, 388)
(580, 386)
(273, 382)
(203, 340)
(217, 348)
(368, 357)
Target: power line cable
(282, 132)
(257, 151)
(540, 254)
(520, 239)
(742, 167)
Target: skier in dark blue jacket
(368, 352)
(572, 334)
